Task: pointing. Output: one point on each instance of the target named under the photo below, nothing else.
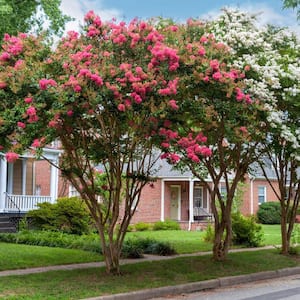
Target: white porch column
(10, 178)
(3, 180)
(24, 174)
(251, 195)
(53, 183)
(162, 201)
(191, 202)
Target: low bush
(209, 234)
(137, 247)
(141, 226)
(166, 225)
(68, 215)
(246, 231)
(54, 239)
(269, 213)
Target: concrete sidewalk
(167, 290)
(122, 262)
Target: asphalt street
(287, 288)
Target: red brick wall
(149, 208)
(42, 176)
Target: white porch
(188, 200)
(19, 191)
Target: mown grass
(78, 284)
(183, 241)
(15, 256)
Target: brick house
(174, 195)
(181, 197)
(28, 181)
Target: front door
(175, 202)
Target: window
(223, 192)
(262, 194)
(198, 196)
(72, 191)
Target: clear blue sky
(178, 10)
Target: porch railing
(201, 213)
(23, 203)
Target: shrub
(209, 234)
(136, 247)
(246, 231)
(166, 225)
(269, 213)
(54, 239)
(69, 215)
(142, 226)
(131, 248)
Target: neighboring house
(174, 195)
(181, 197)
(28, 181)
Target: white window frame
(259, 194)
(201, 196)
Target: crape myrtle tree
(31, 16)
(273, 54)
(221, 125)
(98, 93)
(105, 95)
(113, 93)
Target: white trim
(162, 201)
(265, 194)
(191, 202)
(53, 182)
(251, 196)
(10, 177)
(24, 176)
(3, 181)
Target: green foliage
(21, 16)
(141, 226)
(53, 239)
(68, 215)
(269, 213)
(136, 247)
(246, 231)
(209, 234)
(166, 225)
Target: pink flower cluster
(192, 148)
(13, 46)
(11, 157)
(162, 53)
(31, 113)
(240, 96)
(45, 83)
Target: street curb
(147, 294)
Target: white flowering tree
(271, 56)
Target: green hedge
(68, 215)
(269, 213)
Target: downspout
(191, 208)
(251, 195)
(162, 201)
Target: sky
(125, 10)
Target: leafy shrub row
(159, 225)
(68, 215)
(269, 213)
(132, 248)
(245, 231)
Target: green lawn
(183, 241)
(78, 284)
(15, 256)
(272, 235)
